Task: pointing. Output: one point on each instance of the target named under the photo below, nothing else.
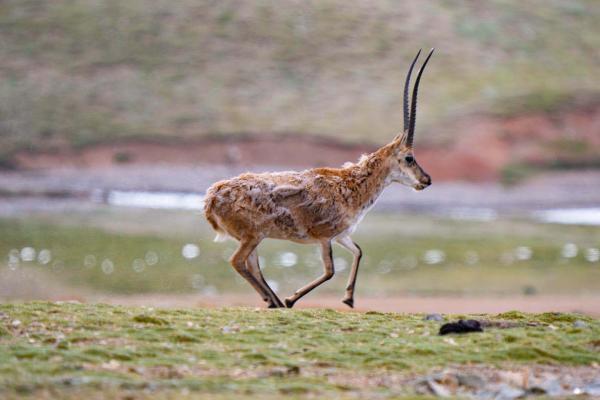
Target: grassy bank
(81, 71)
(63, 348)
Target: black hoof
(271, 305)
(278, 303)
(289, 303)
(349, 302)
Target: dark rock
(551, 387)
(462, 326)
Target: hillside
(79, 72)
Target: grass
(80, 71)
(127, 252)
(69, 348)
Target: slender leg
(327, 274)
(238, 261)
(254, 268)
(348, 244)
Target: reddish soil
(480, 147)
(282, 150)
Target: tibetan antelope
(320, 205)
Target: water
(193, 201)
(156, 200)
(472, 214)
(571, 216)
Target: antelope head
(404, 167)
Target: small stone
(550, 387)
(438, 389)
(514, 378)
(433, 317)
(284, 371)
(580, 324)
(470, 380)
(230, 329)
(15, 323)
(111, 365)
(509, 393)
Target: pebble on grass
(433, 317)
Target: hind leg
(253, 266)
(238, 261)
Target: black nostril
(428, 180)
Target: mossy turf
(67, 348)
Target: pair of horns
(409, 121)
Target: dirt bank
(477, 147)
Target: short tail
(209, 205)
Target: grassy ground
(138, 251)
(82, 71)
(63, 349)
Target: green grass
(479, 258)
(81, 71)
(61, 348)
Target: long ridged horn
(406, 85)
(413, 103)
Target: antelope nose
(426, 180)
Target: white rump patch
(221, 237)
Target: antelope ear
(400, 140)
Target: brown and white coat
(320, 205)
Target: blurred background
(116, 116)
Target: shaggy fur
(318, 205)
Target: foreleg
(348, 244)
(327, 275)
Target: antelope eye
(409, 159)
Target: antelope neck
(369, 177)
